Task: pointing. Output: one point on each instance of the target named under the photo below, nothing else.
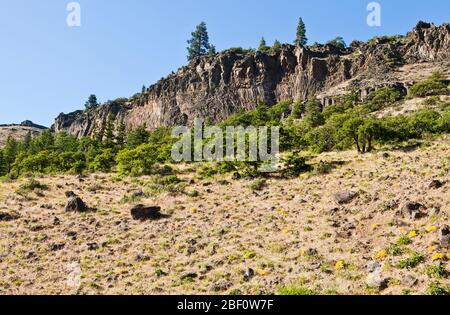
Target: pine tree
(10, 152)
(338, 42)
(313, 113)
(109, 131)
(199, 43)
(121, 134)
(91, 102)
(3, 168)
(276, 45)
(263, 45)
(144, 89)
(301, 34)
(212, 50)
(27, 141)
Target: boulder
(344, 197)
(413, 210)
(376, 281)
(75, 204)
(444, 236)
(436, 184)
(4, 216)
(142, 213)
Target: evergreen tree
(137, 137)
(10, 152)
(199, 43)
(3, 168)
(313, 113)
(301, 33)
(99, 132)
(297, 110)
(276, 45)
(109, 131)
(91, 102)
(121, 134)
(212, 50)
(27, 141)
(263, 45)
(338, 42)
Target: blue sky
(47, 68)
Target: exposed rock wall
(216, 87)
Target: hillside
(226, 236)
(235, 80)
(19, 131)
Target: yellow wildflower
(412, 233)
(432, 249)
(432, 228)
(438, 256)
(190, 229)
(263, 273)
(286, 230)
(382, 254)
(339, 265)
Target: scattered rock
(436, 184)
(373, 266)
(137, 193)
(142, 213)
(30, 254)
(314, 266)
(56, 221)
(223, 182)
(222, 285)
(8, 216)
(413, 210)
(75, 204)
(410, 280)
(236, 176)
(444, 236)
(311, 252)
(56, 246)
(92, 246)
(248, 275)
(391, 205)
(375, 280)
(188, 275)
(72, 235)
(70, 194)
(345, 197)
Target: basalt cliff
(215, 87)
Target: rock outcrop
(232, 81)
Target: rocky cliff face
(216, 87)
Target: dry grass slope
(290, 237)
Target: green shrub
(411, 262)
(104, 161)
(437, 288)
(431, 86)
(322, 168)
(138, 161)
(31, 185)
(258, 184)
(436, 271)
(381, 98)
(295, 165)
(295, 289)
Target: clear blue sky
(47, 68)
